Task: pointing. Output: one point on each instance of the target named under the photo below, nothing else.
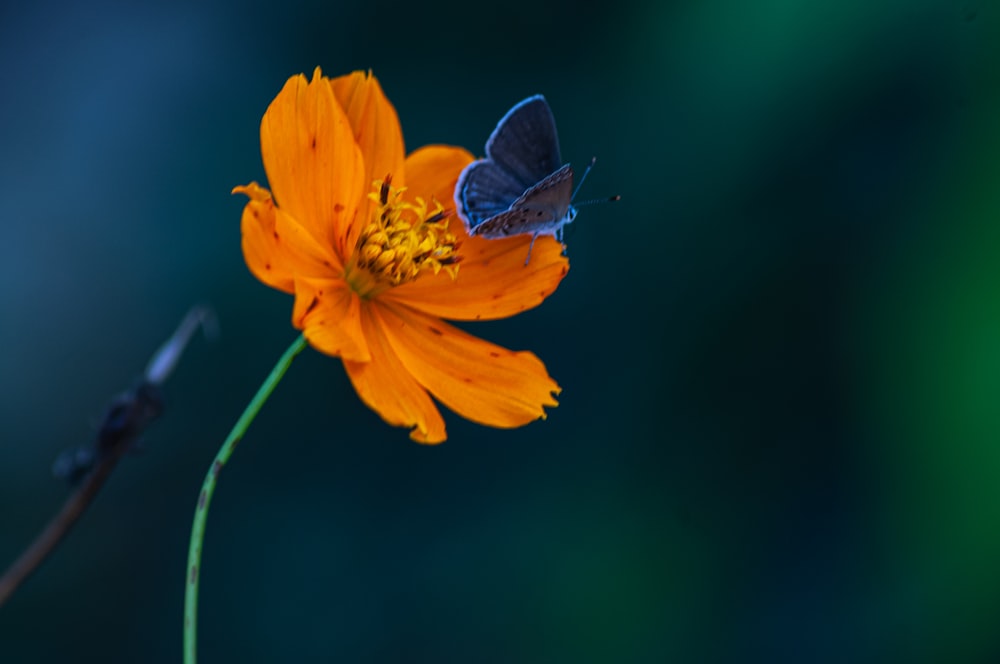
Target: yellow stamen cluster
(403, 239)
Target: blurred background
(779, 436)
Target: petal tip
(420, 435)
(253, 191)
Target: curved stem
(125, 419)
(59, 526)
(208, 488)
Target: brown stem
(58, 527)
(124, 421)
(126, 418)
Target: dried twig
(128, 415)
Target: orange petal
(493, 281)
(387, 388)
(304, 254)
(276, 247)
(433, 170)
(376, 131)
(260, 249)
(313, 165)
(329, 313)
(375, 124)
(476, 379)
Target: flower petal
(433, 170)
(478, 380)
(329, 313)
(260, 249)
(493, 280)
(375, 125)
(387, 388)
(313, 165)
(276, 247)
(376, 131)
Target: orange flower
(361, 236)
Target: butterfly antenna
(610, 199)
(579, 184)
(583, 177)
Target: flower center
(401, 241)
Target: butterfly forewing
(525, 142)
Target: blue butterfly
(522, 186)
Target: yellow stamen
(401, 241)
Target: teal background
(779, 435)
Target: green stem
(208, 488)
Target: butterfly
(522, 186)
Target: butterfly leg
(530, 246)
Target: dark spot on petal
(497, 296)
(267, 266)
(467, 379)
(542, 293)
(479, 316)
(256, 215)
(435, 331)
(564, 270)
(327, 263)
(493, 353)
(312, 305)
(337, 207)
(276, 236)
(314, 143)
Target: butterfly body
(521, 186)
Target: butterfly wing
(542, 210)
(484, 189)
(525, 144)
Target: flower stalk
(208, 488)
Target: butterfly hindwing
(542, 209)
(485, 189)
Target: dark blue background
(780, 353)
